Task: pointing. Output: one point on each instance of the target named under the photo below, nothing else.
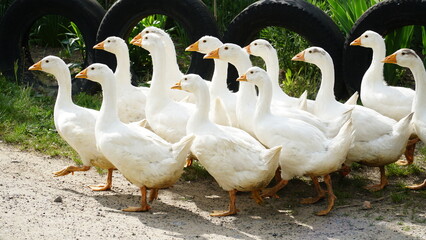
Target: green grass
(26, 119)
(402, 171)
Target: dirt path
(28, 209)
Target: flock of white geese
(243, 139)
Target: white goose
(144, 158)
(75, 124)
(262, 48)
(391, 101)
(306, 150)
(246, 95)
(131, 100)
(267, 52)
(379, 140)
(235, 159)
(218, 87)
(173, 73)
(165, 116)
(409, 58)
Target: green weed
(402, 171)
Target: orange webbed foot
(219, 213)
(418, 186)
(70, 169)
(100, 187)
(137, 209)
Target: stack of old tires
(298, 16)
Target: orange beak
(212, 55)
(242, 78)
(390, 59)
(247, 48)
(177, 86)
(193, 47)
(99, 46)
(299, 57)
(82, 74)
(356, 42)
(36, 66)
(137, 42)
(136, 38)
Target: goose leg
(383, 181)
(318, 189)
(105, 187)
(331, 197)
(144, 204)
(277, 176)
(345, 170)
(409, 152)
(153, 194)
(232, 206)
(189, 159)
(71, 169)
(256, 196)
(272, 192)
(418, 186)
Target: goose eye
(109, 41)
(204, 41)
(403, 53)
(147, 31)
(47, 61)
(185, 79)
(255, 44)
(146, 38)
(366, 36)
(310, 51)
(92, 68)
(251, 72)
(226, 48)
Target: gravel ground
(36, 205)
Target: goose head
(368, 39)
(49, 64)
(404, 57)
(111, 44)
(205, 45)
(314, 55)
(258, 47)
(229, 52)
(149, 41)
(96, 72)
(255, 75)
(190, 83)
(149, 30)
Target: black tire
(22, 14)
(298, 16)
(381, 18)
(193, 15)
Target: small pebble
(366, 205)
(58, 199)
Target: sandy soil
(28, 209)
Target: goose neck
(108, 113)
(419, 74)
(159, 86)
(170, 53)
(218, 83)
(326, 91)
(273, 68)
(64, 97)
(263, 105)
(202, 108)
(374, 72)
(122, 72)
